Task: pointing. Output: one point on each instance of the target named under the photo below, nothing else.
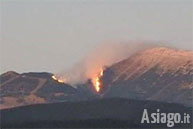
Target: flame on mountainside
(96, 79)
(104, 54)
(59, 79)
(97, 82)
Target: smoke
(102, 55)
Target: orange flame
(59, 79)
(96, 81)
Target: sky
(53, 35)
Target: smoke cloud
(102, 55)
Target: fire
(54, 77)
(96, 81)
(59, 79)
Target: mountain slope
(160, 74)
(31, 88)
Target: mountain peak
(161, 74)
(165, 59)
(168, 52)
(10, 73)
(8, 76)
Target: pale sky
(52, 35)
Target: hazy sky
(52, 35)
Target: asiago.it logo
(170, 119)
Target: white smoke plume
(103, 55)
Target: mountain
(156, 78)
(160, 74)
(32, 88)
(98, 113)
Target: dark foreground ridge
(99, 113)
